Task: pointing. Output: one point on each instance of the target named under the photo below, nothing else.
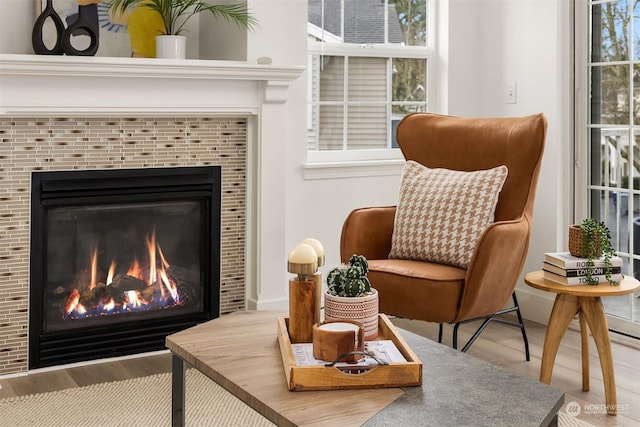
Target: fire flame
(94, 268)
(135, 270)
(171, 286)
(72, 301)
(165, 264)
(151, 246)
(112, 272)
(134, 299)
(162, 289)
(110, 305)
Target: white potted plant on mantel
(167, 18)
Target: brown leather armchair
(442, 293)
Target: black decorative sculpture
(36, 36)
(83, 25)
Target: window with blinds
(367, 70)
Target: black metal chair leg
(524, 333)
(486, 320)
(440, 333)
(455, 335)
(476, 335)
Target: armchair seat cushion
(407, 288)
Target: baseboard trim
(273, 304)
(535, 305)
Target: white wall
(527, 42)
(490, 43)
(220, 39)
(16, 23)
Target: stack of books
(564, 268)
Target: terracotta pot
(361, 309)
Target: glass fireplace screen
(112, 262)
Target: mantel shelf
(72, 85)
(51, 65)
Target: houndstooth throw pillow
(442, 213)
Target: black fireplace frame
(67, 188)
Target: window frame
(581, 149)
(370, 162)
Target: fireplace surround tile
(46, 144)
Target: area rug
(143, 402)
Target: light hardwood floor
(499, 344)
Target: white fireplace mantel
(67, 86)
(76, 85)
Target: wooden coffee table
(586, 301)
(240, 352)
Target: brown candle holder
(331, 344)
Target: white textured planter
(361, 309)
(171, 47)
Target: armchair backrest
(469, 144)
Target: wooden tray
(301, 378)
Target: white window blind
(367, 70)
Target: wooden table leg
(564, 310)
(177, 391)
(584, 341)
(595, 317)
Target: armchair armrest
(367, 232)
(495, 267)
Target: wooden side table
(586, 301)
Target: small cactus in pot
(349, 296)
(351, 280)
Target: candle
(342, 327)
(335, 339)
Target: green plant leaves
(176, 13)
(596, 242)
(351, 280)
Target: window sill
(352, 169)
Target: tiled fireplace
(220, 121)
(86, 144)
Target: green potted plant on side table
(592, 240)
(350, 296)
(155, 26)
